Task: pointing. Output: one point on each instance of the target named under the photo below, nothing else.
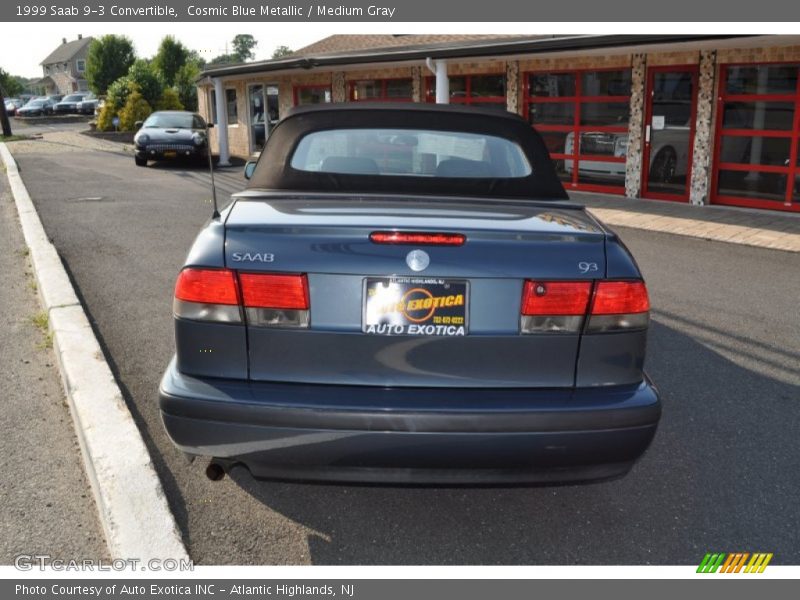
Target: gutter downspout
(222, 124)
(439, 68)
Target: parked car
(12, 105)
(69, 104)
(88, 105)
(170, 134)
(36, 108)
(404, 293)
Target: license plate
(170, 154)
(415, 306)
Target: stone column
(701, 158)
(512, 87)
(416, 84)
(338, 87)
(633, 162)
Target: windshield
(36, 102)
(170, 120)
(410, 152)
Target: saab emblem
(418, 260)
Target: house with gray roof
(64, 69)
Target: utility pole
(4, 116)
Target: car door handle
(647, 134)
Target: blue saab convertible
(405, 294)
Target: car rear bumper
(411, 435)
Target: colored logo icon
(735, 562)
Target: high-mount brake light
(417, 238)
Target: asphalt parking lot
(721, 475)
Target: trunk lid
(328, 239)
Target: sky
(24, 46)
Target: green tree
(223, 59)
(136, 109)
(148, 81)
(108, 59)
(243, 45)
(169, 100)
(194, 57)
(282, 51)
(185, 85)
(10, 86)
(171, 56)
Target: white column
(442, 83)
(222, 124)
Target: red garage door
(756, 143)
(592, 107)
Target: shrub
(104, 119)
(169, 100)
(136, 109)
(118, 93)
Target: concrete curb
(133, 509)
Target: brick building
(64, 70)
(690, 118)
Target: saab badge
(418, 260)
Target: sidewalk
(47, 503)
(761, 228)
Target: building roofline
(456, 49)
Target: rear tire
(140, 162)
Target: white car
(669, 154)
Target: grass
(13, 138)
(42, 323)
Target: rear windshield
(410, 152)
(73, 98)
(171, 121)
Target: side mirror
(249, 168)
(138, 124)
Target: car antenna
(215, 214)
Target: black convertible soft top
(274, 171)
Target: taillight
(554, 306)
(619, 306)
(223, 296)
(564, 306)
(417, 238)
(274, 291)
(209, 286)
(275, 300)
(207, 295)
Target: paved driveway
(721, 474)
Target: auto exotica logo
(735, 562)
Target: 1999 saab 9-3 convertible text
(405, 294)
